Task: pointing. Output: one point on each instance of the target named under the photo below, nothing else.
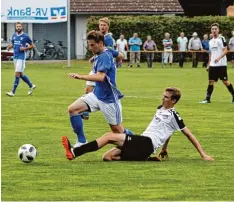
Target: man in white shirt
(122, 46)
(217, 63)
(182, 46)
(231, 48)
(139, 148)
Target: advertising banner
(34, 11)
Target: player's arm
(223, 54)
(208, 67)
(164, 152)
(99, 76)
(196, 144)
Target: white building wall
(80, 36)
(10, 30)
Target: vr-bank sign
(31, 11)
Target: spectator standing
(167, 43)
(122, 46)
(149, 45)
(205, 55)
(135, 47)
(182, 46)
(195, 45)
(231, 47)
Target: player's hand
(74, 75)
(163, 154)
(22, 48)
(207, 158)
(8, 48)
(207, 69)
(91, 60)
(217, 60)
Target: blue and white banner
(34, 11)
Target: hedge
(156, 26)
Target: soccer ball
(27, 153)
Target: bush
(156, 26)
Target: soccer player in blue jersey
(18, 42)
(105, 96)
(104, 25)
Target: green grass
(42, 119)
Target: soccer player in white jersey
(231, 47)
(18, 43)
(217, 63)
(105, 96)
(139, 148)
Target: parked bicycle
(51, 51)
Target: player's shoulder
(159, 107)
(174, 112)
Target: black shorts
(136, 148)
(216, 73)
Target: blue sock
(77, 125)
(128, 132)
(26, 80)
(16, 83)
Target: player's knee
(71, 109)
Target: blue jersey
(106, 91)
(108, 41)
(205, 44)
(20, 41)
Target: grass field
(41, 119)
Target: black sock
(89, 147)
(230, 89)
(209, 92)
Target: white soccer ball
(27, 153)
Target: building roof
(126, 6)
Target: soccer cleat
(204, 102)
(11, 94)
(31, 89)
(78, 144)
(67, 146)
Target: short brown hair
(106, 20)
(215, 24)
(175, 93)
(95, 35)
(19, 23)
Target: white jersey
(163, 125)
(216, 46)
(122, 44)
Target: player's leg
(25, 78)
(18, 71)
(113, 115)
(75, 110)
(213, 77)
(112, 155)
(224, 78)
(107, 138)
(90, 85)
